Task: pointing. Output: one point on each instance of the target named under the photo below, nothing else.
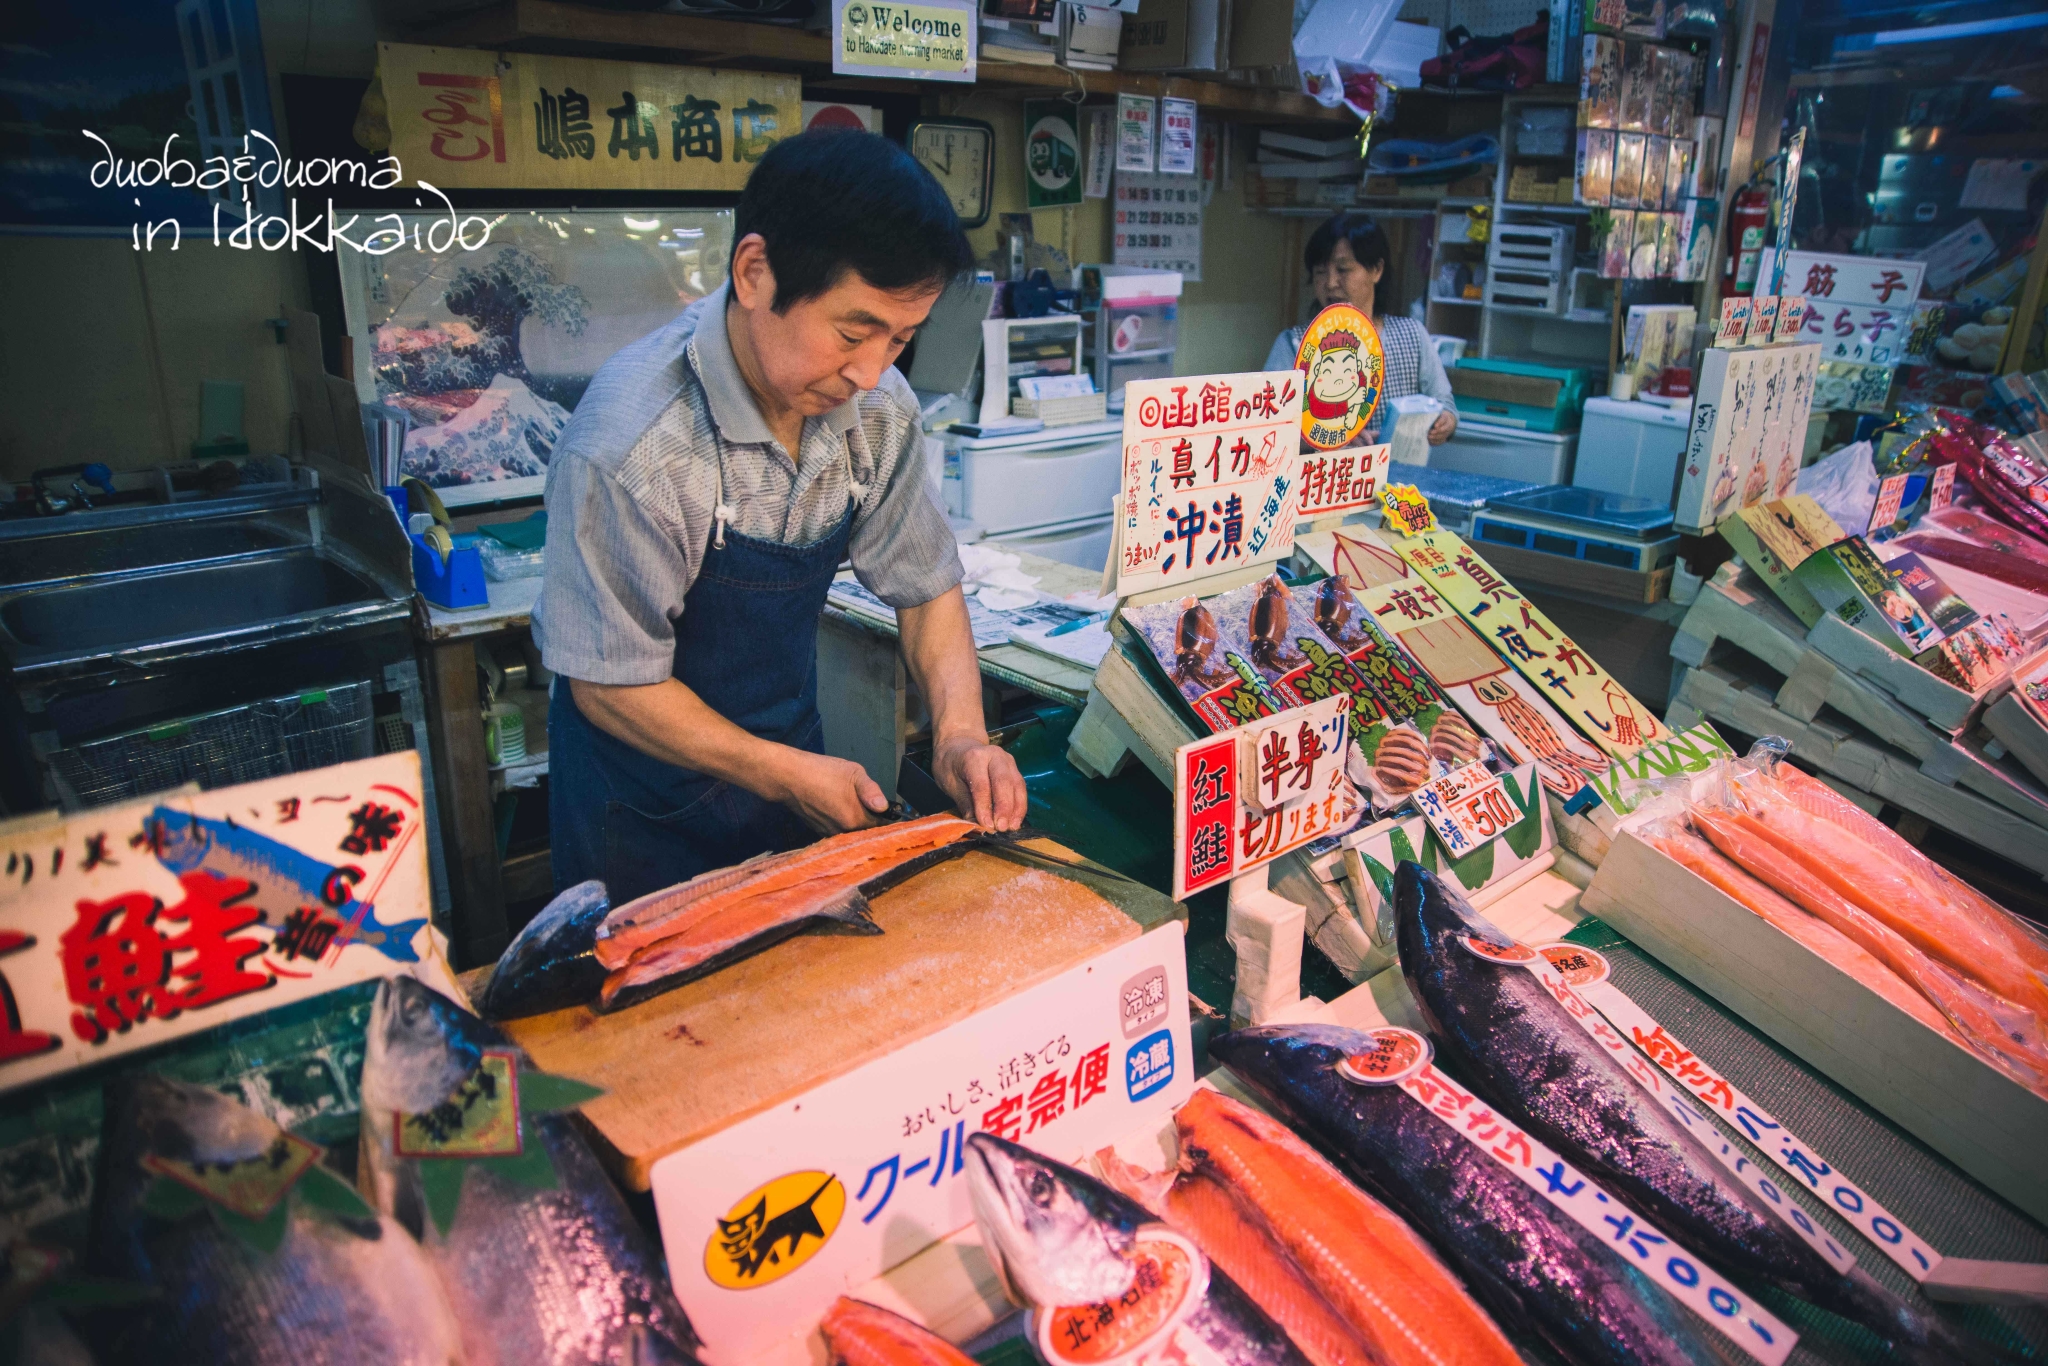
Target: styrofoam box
(1934, 1088)
(1036, 479)
(1507, 453)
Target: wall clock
(960, 154)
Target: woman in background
(1346, 258)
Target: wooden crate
(1934, 1088)
(1893, 728)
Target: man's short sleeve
(903, 550)
(613, 581)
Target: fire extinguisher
(1749, 221)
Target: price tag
(1466, 807)
(1890, 494)
(1653, 1253)
(1407, 510)
(1763, 320)
(1586, 972)
(1791, 318)
(1734, 327)
(1944, 491)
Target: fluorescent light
(1975, 28)
(643, 224)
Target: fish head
(1427, 914)
(179, 839)
(419, 1047)
(187, 1123)
(1058, 1236)
(1301, 1045)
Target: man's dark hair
(829, 202)
(1368, 245)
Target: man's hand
(983, 781)
(1440, 430)
(830, 794)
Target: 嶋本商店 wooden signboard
(470, 119)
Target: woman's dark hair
(829, 202)
(1368, 245)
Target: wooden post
(462, 789)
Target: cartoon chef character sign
(1346, 375)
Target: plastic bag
(1844, 484)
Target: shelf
(553, 26)
(1523, 207)
(1461, 303)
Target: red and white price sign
(1944, 490)
(1890, 495)
(1244, 798)
(1466, 807)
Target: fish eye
(1040, 1188)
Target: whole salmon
(1534, 1269)
(555, 1276)
(859, 1334)
(1521, 1051)
(1237, 1240)
(336, 1290)
(1103, 1274)
(1356, 1251)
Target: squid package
(1405, 730)
(1206, 648)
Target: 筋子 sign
(130, 925)
(1218, 831)
(768, 1221)
(1869, 281)
(1211, 464)
(489, 120)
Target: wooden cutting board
(956, 939)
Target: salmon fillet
(1993, 1026)
(1367, 1263)
(1816, 935)
(1197, 1205)
(1978, 946)
(819, 871)
(859, 1334)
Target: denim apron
(747, 644)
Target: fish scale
(558, 1277)
(336, 1292)
(1519, 1049)
(1537, 1272)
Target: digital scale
(1581, 524)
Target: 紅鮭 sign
(130, 925)
(1211, 469)
(1247, 796)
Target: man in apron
(714, 477)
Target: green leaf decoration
(263, 1235)
(441, 1183)
(531, 1168)
(1400, 848)
(1525, 834)
(543, 1093)
(323, 1190)
(172, 1200)
(1382, 876)
(1473, 870)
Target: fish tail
(1915, 1337)
(853, 911)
